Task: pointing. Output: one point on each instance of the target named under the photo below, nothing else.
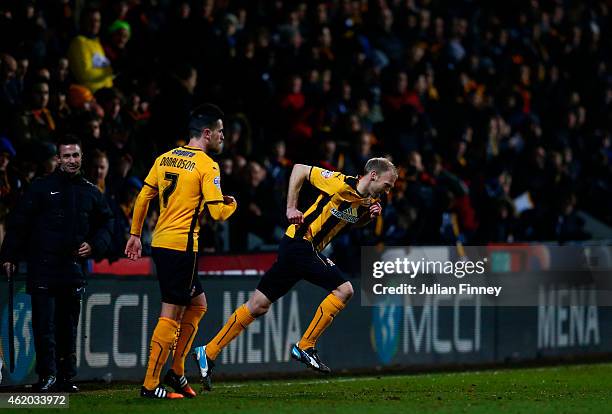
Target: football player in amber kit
(187, 181)
(344, 202)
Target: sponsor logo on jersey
(327, 173)
(350, 214)
(183, 153)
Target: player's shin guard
(324, 316)
(236, 323)
(164, 337)
(189, 328)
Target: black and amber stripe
(229, 328)
(329, 225)
(194, 222)
(320, 224)
(159, 351)
(352, 182)
(312, 216)
(320, 310)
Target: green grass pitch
(560, 389)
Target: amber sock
(189, 329)
(236, 323)
(163, 340)
(324, 316)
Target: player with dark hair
(186, 180)
(344, 201)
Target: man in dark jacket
(61, 221)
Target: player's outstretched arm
(221, 211)
(298, 176)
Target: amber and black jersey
(337, 208)
(185, 179)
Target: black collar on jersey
(191, 148)
(352, 182)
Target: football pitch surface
(559, 389)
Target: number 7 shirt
(185, 179)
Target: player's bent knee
(349, 292)
(199, 300)
(344, 292)
(260, 309)
(258, 304)
(172, 311)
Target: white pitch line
(370, 378)
(305, 382)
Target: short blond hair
(380, 165)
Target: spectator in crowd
(498, 118)
(35, 124)
(10, 185)
(10, 96)
(170, 110)
(88, 62)
(115, 50)
(259, 214)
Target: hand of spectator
(125, 165)
(295, 216)
(133, 249)
(9, 269)
(254, 208)
(375, 210)
(84, 250)
(227, 200)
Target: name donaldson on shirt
(177, 163)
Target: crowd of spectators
(498, 114)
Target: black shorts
(297, 259)
(177, 274)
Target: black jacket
(55, 216)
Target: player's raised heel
(309, 357)
(205, 365)
(179, 383)
(159, 392)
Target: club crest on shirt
(217, 182)
(327, 173)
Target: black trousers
(55, 318)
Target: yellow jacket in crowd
(89, 64)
